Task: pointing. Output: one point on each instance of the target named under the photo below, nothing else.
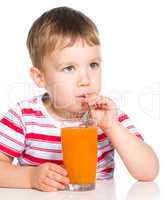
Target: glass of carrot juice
(79, 146)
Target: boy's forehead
(76, 50)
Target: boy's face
(70, 74)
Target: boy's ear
(37, 76)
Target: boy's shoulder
(31, 102)
(29, 106)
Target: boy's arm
(14, 176)
(46, 177)
(138, 157)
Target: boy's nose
(83, 79)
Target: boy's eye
(94, 65)
(69, 69)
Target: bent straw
(87, 116)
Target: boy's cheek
(62, 102)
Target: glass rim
(75, 123)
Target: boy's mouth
(85, 95)
(82, 97)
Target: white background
(133, 49)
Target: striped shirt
(30, 134)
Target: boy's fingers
(54, 184)
(103, 102)
(58, 169)
(97, 102)
(93, 100)
(47, 188)
(58, 177)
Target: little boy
(65, 51)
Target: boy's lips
(83, 97)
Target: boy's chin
(80, 108)
(77, 109)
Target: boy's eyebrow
(58, 65)
(97, 58)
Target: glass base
(81, 187)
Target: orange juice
(79, 146)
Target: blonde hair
(52, 28)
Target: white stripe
(132, 130)
(10, 144)
(44, 144)
(44, 155)
(11, 133)
(43, 130)
(103, 176)
(126, 123)
(103, 143)
(10, 117)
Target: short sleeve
(12, 133)
(125, 120)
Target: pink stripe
(41, 160)
(9, 151)
(38, 140)
(139, 136)
(47, 150)
(102, 137)
(41, 125)
(131, 126)
(43, 137)
(12, 139)
(122, 117)
(104, 155)
(30, 111)
(11, 125)
(33, 101)
(103, 147)
(107, 170)
(17, 116)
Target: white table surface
(104, 190)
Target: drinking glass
(79, 146)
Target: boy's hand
(104, 110)
(49, 177)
